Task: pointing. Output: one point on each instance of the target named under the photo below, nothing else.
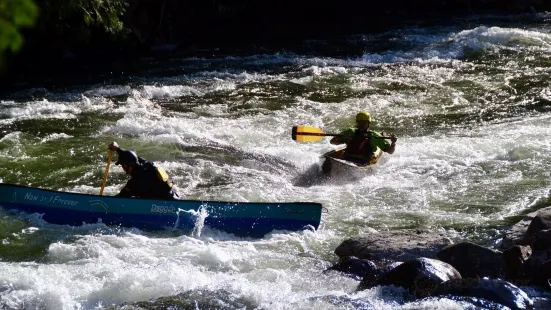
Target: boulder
(398, 245)
(541, 240)
(540, 223)
(515, 258)
(420, 275)
(515, 235)
(495, 290)
(542, 275)
(534, 264)
(356, 268)
(472, 260)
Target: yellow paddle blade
(307, 134)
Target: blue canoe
(239, 218)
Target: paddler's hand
(113, 146)
(392, 147)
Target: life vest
(163, 176)
(162, 188)
(160, 173)
(360, 145)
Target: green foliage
(61, 22)
(64, 17)
(103, 13)
(14, 15)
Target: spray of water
(200, 215)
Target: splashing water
(200, 215)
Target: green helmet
(363, 116)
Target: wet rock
(515, 235)
(541, 240)
(533, 265)
(541, 222)
(473, 261)
(495, 290)
(399, 245)
(356, 268)
(514, 258)
(420, 275)
(384, 267)
(391, 266)
(542, 275)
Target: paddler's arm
(392, 147)
(125, 192)
(343, 137)
(336, 140)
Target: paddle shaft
(104, 180)
(330, 135)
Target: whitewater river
(470, 103)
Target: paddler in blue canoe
(147, 180)
(362, 143)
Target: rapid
(470, 102)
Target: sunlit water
(470, 104)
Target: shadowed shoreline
(60, 53)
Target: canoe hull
(239, 218)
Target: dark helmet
(127, 158)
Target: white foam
(55, 136)
(109, 91)
(482, 37)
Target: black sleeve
(126, 191)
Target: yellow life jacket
(163, 176)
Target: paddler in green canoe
(147, 180)
(362, 143)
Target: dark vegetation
(42, 40)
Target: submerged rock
(196, 299)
